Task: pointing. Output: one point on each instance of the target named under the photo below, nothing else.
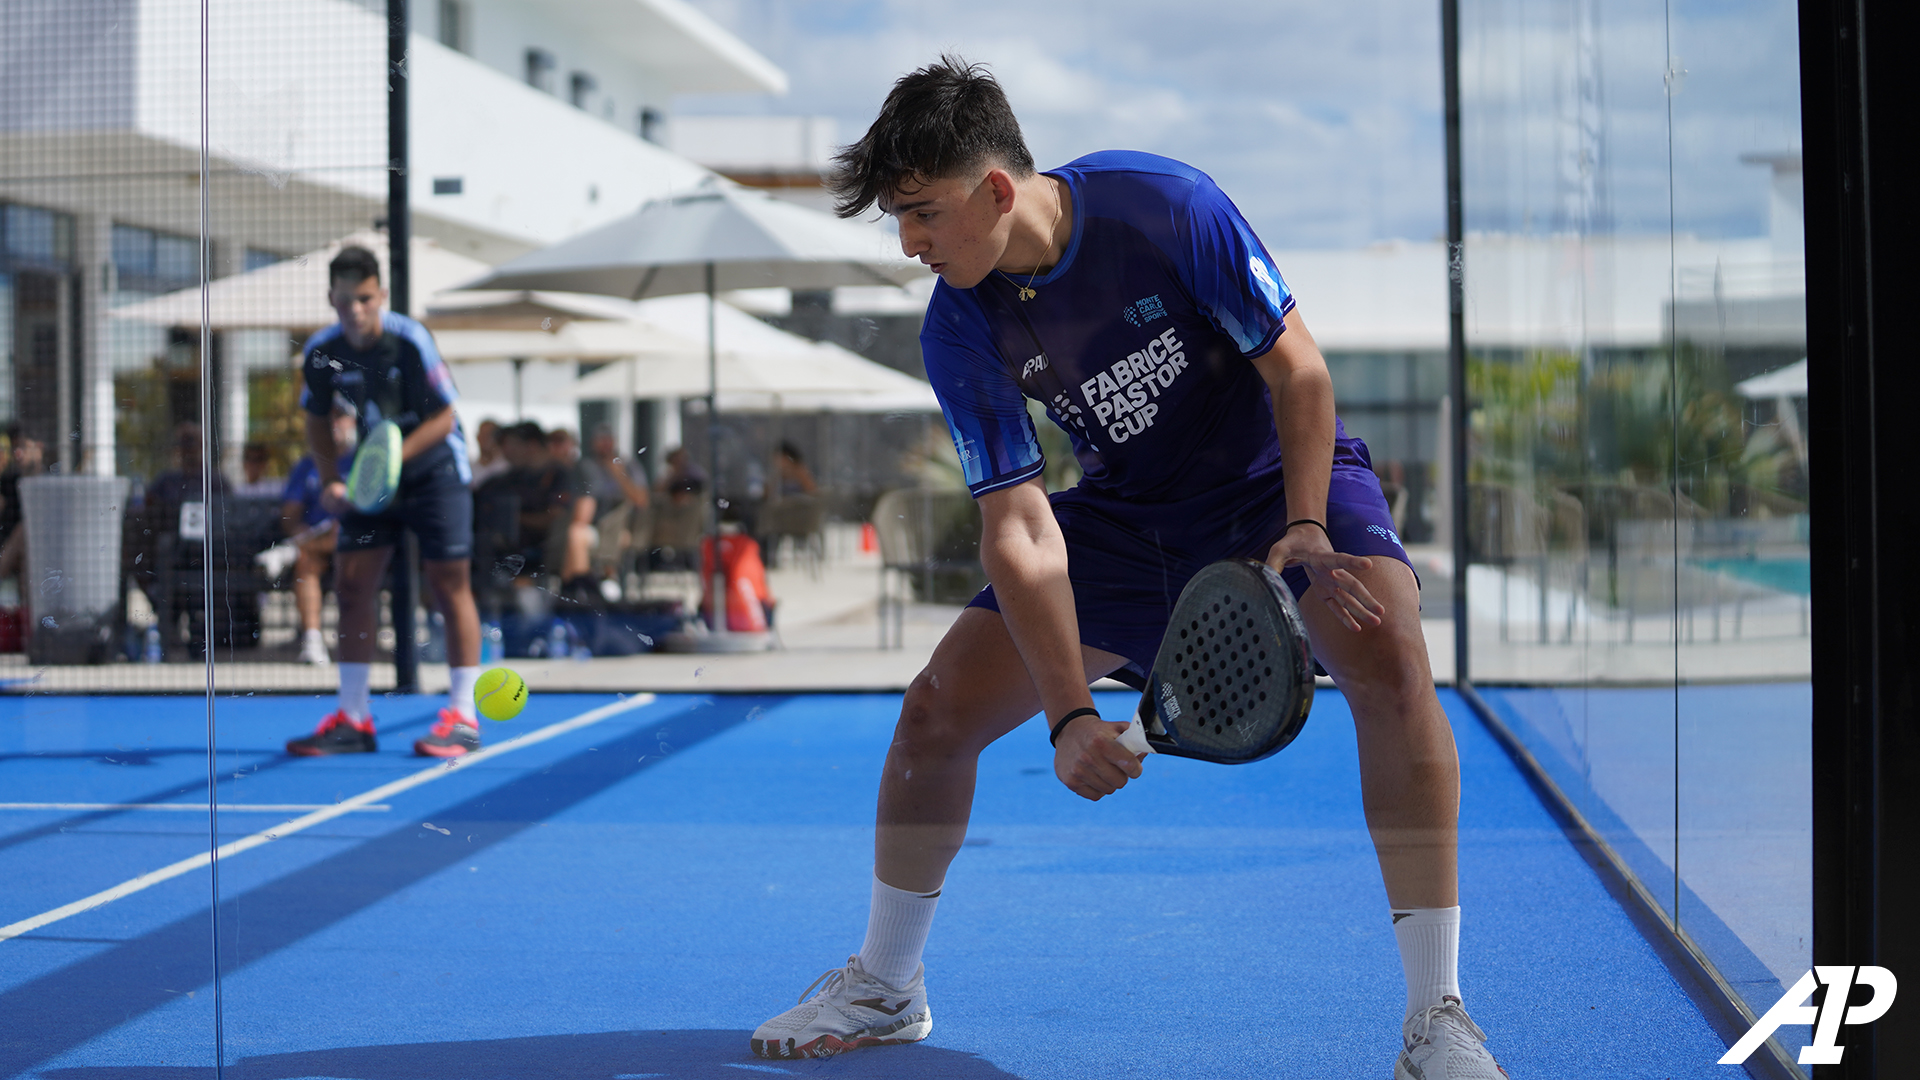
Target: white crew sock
(354, 697)
(897, 927)
(460, 690)
(1429, 953)
(314, 637)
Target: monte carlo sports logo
(1825, 1018)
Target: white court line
(225, 808)
(308, 821)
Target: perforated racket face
(375, 475)
(1233, 681)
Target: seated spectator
(795, 478)
(254, 482)
(555, 518)
(176, 499)
(681, 474)
(492, 463)
(679, 514)
(314, 532)
(26, 457)
(580, 539)
(795, 510)
(622, 504)
(175, 511)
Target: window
(653, 125)
(453, 25)
(33, 233)
(146, 259)
(254, 259)
(448, 185)
(580, 89)
(540, 67)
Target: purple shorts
(1128, 561)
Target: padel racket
(1233, 680)
(375, 475)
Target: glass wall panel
(104, 765)
(1636, 333)
(1571, 513)
(1738, 324)
(297, 138)
(197, 623)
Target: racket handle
(1135, 738)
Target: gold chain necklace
(1027, 291)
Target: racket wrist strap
(1054, 736)
(1306, 521)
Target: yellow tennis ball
(500, 694)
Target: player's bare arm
(431, 432)
(320, 444)
(1302, 391)
(1025, 556)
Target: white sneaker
(313, 650)
(1443, 1043)
(854, 1009)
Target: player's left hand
(1309, 548)
(333, 498)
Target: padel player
(1126, 294)
(385, 366)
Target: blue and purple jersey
(400, 378)
(1137, 343)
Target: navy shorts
(1128, 562)
(436, 504)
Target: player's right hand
(1091, 761)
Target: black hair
(353, 265)
(790, 452)
(944, 120)
(525, 431)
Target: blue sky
(1322, 120)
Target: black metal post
(1858, 83)
(717, 580)
(405, 596)
(1456, 337)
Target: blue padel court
(629, 895)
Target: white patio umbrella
(759, 367)
(292, 293)
(522, 325)
(718, 237)
(1782, 385)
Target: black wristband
(1306, 521)
(1076, 714)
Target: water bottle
(557, 640)
(489, 643)
(152, 653)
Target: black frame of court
(1858, 86)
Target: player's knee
(928, 726)
(1389, 681)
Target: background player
(1128, 295)
(385, 366)
(315, 531)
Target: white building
(529, 122)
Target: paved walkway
(829, 640)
